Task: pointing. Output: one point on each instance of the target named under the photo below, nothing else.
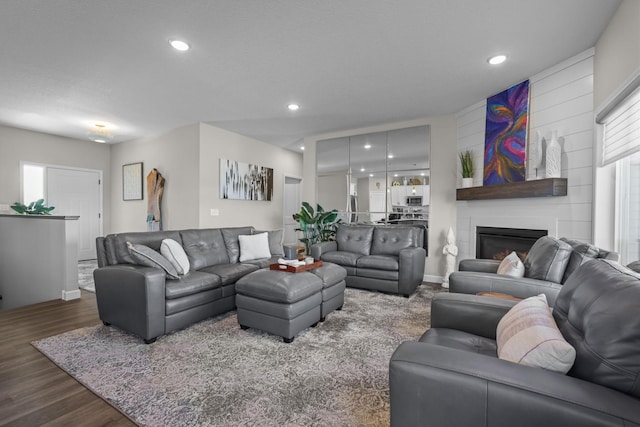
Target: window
(627, 217)
(32, 183)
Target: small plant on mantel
(34, 208)
(466, 162)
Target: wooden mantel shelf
(547, 187)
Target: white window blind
(620, 122)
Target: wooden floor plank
(33, 390)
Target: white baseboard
(69, 295)
(432, 279)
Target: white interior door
(77, 192)
(292, 204)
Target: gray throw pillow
(146, 256)
(275, 241)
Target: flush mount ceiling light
(179, 45)
(496, 60)
(293, 107)
(101, 132)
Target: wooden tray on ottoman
(292, 269)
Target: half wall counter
(38, 259)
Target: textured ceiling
(348, 63)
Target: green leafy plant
(34, 208)
(317, 226)
(466, 161)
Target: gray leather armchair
(452, 376)
(548, 265)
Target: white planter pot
(467, 182)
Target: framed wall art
(506, 135)
(132, 181)
(245, 181)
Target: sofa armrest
(132, 298)
(411, 269)
(440, 386)
(471, 282)
(469, 313)
(480, 265)
(317, 249)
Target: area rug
(215, 374)
(85, 275)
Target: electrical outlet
(215, 212)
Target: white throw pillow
(511, 266)
(254, 246)
(528, 335)
(173, 251)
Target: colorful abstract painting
(506, 135)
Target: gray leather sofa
(143, 301)
(452, 376)
(383, 258)
(548, 265)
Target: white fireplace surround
(535, 223)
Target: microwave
(414, 200)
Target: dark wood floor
(34, 391)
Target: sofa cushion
(597, 311)
(173, 251)
(254, 246)
(354, 238)
(511, 266)
(528, 335)
(230, 273)
(379, 262)
(341, 258)
(204, 247)
(547, 259)
(192, 283)
(581, 253)
(146, 256)
(460, 340)
(275, 242)
(230, 236)
(118, 251)
(389, 240)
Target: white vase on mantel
(467, 182)
(553, 158)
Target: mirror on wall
(377, 178)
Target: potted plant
(466, 163)
(34, 208)
(317, 226)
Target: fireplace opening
(497, 242)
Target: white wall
(175, 155)
(443, 181)
(562, 100)
(216, 143)
(18, 145)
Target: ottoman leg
(288, 340)
(339, 308)
(243, 327)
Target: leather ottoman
(278, 302)
(333, 286)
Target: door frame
(284, 193)
(73, 168)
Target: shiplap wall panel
(561, 99)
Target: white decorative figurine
(451, 252)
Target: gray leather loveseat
(452, 376)
(383, 258)
(144, 301)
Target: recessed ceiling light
(293, 107)
(302, 147)
(367, 146)
(395, 175)
(370, 174)
(361, 169)
(390, 156)
(179, 45)
(496, 60)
